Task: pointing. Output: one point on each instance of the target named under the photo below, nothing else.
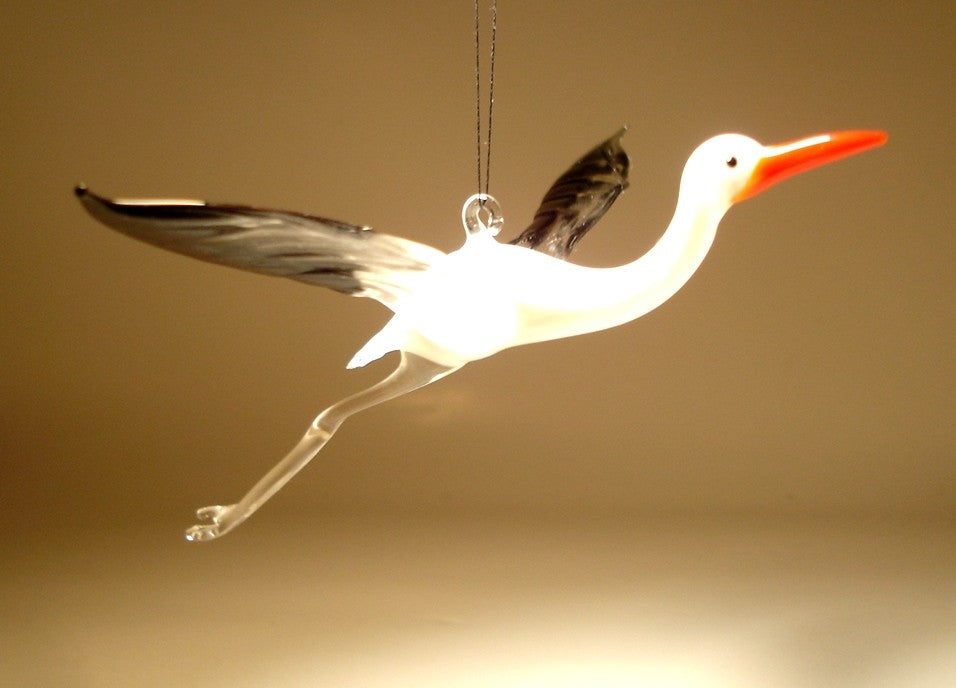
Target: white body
(488, 296)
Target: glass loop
(482, 213)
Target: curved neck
(581, 299)
(653, 278)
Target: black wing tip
(616, 137)
(89, 199)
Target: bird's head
(731, 167)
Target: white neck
(657, 275)
(591, 299)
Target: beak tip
(855, 141)
(877, 137)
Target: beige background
(771, 452)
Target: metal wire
(491, 94)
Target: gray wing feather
(578, 199)
(350, 259)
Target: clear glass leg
(412, 372)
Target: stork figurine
(451, 309)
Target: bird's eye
(731, 162)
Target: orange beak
(791, 158)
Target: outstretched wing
(578, 199)
(347, 258)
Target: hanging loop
(480, 214)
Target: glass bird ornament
(452, 309)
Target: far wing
(347, 258)
(578, 199)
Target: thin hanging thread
(491, 93)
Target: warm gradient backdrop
(806, 372)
